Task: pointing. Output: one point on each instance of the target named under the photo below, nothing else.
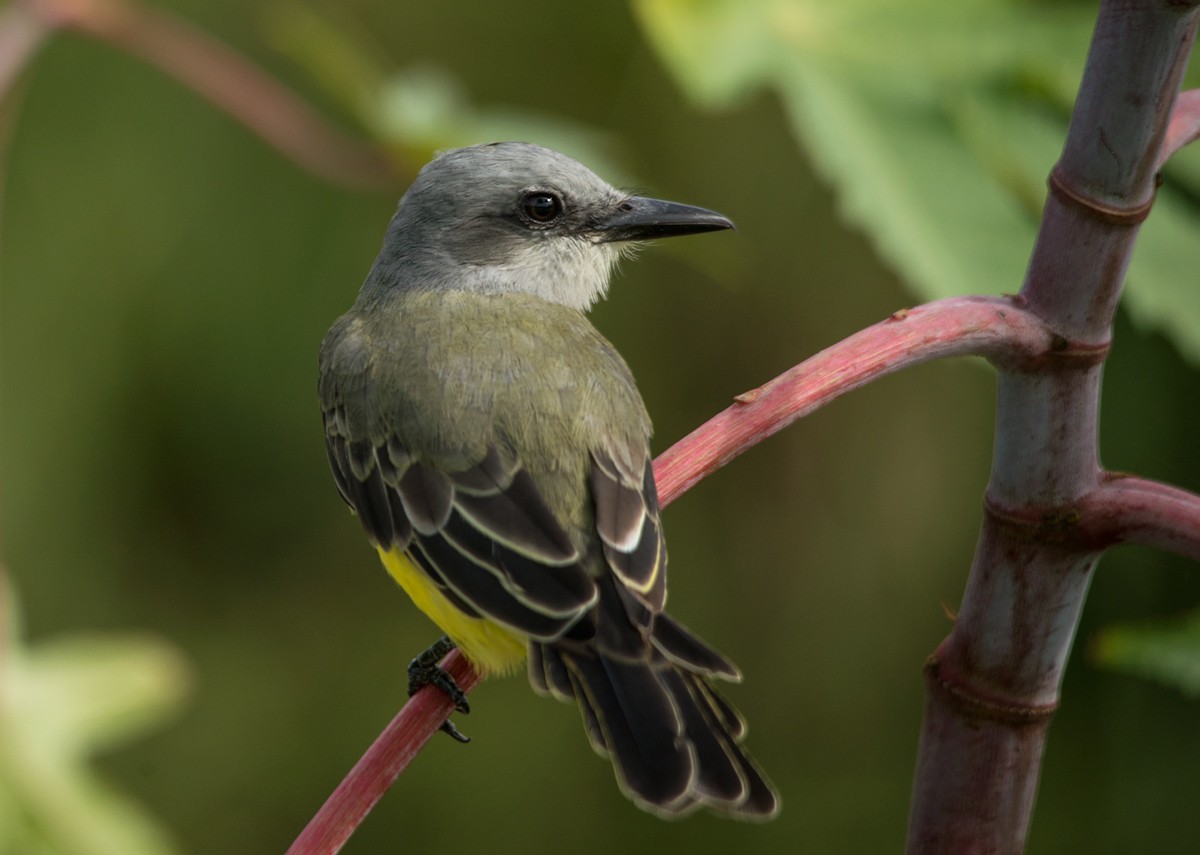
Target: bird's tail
(674, 742)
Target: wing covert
(484, 535)
(628, 524)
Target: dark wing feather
(548, 673)
(418, 558)
(370, 498)
(335, 448)
(482, 590)
(628, 524)
(557, 590)
(427, 496)
(483, 535)
(505, 502)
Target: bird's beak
(639, 218)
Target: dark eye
(541, 207)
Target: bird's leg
(424, 670)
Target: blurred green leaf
(418, 111)
(1166, 651)
(1162, 292)
(341, 58)
(61, 702)
(936, 123)
(425, 109)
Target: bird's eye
(540, 206)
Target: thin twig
(1129, 509)
(1184, 127)
(231, 82)
(996, 328)
(382, 763)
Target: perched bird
(496, 450)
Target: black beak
(639, 218)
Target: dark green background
(166, 280)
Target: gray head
(514, 217)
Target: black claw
(424, 671)
(449, 728)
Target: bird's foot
(424, 671)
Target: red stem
(1128, 509)
(388, 756)
(997, 328)
(1184, 127)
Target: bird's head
(515, 217)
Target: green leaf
(937, 124)
(907, 177)
(1162, 293)
(1166, 651)
(875, 90)
(424, 110)
(61, 702)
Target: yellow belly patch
(490, 647)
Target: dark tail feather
(629, 709)
(731, 720)
(758, 799)
(719, 777)
(548, 674)
(673, 741)
(684, 648)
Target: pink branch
(1184, 126)
(1128, 509)
(997, 328)
(388, 756)
(230, 81)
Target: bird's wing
(483, 534)
(627, 521)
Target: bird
(496, 450)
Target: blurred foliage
(417, 111)
(62, 702)
(940, 153)
(1164, 651)
(936, 140)
(165, 281)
